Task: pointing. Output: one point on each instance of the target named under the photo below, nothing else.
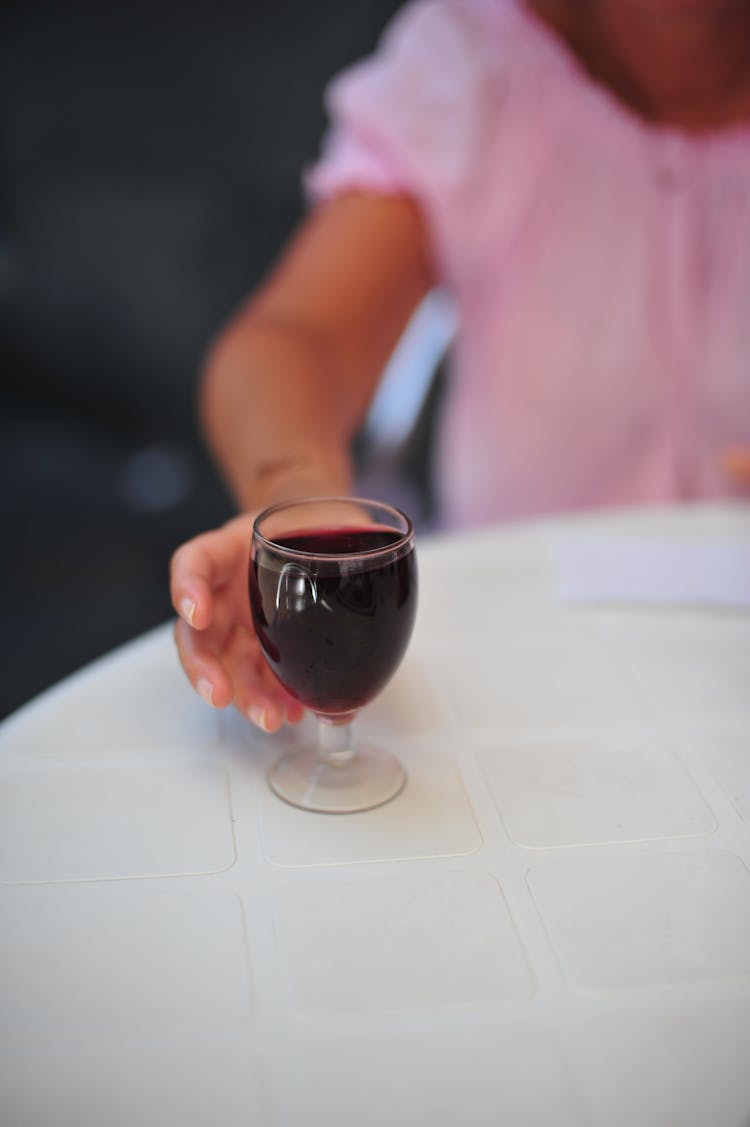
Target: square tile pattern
(689, 665)
(399, 943)
(686, 1065)
(647, 920)
(135, 1083)
(724, 751)
(532, 681)
(593, 791)
(101, 821)
(432, 817)
(78, 964)
(485, 1077)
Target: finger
(257, 693)
(202, 565)
(273, 711)
(252, 697)
(191, 587)
(202, 666)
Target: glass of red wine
(333, 595)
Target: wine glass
(333, 595)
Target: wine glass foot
(370, 778)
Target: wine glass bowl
(333, 587)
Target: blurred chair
(394, 451)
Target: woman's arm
(289, 381)
(285, 388)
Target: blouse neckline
(605, 101)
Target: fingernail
(206, 690)
(187, 610)
(257, 715)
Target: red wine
(335, 627)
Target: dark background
(150, 160)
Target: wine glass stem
(335, 741)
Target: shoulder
(439, 65)
(423, 112)
(468, 33)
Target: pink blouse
(600, 265)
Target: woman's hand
(214, 633)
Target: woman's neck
(679, 62)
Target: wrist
(288, 477)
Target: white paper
(654, 571)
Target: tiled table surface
(551, 925)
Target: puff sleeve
(412, 118)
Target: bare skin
(285, 389)
(684, 63)
(289, 380)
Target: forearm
(289, 381)
(277, 417)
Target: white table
(551, 925)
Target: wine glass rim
(405, 538)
